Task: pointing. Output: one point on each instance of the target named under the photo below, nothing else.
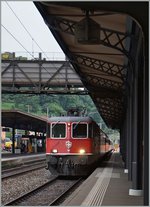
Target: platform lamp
(87, 31)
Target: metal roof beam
(104, 83)
(68, 26)
(104, 66)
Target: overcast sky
(33, 22)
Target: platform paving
(106, 186)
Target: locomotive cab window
(58, 130)
(79, 130)
(90, 130)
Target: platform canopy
(25, 121)
(97, 38)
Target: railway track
(22, 169)
(62, 196)
(51, 193)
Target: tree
(55, 109)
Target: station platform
(108, 185)
(11, 156)
(10, 160)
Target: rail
(56, 189)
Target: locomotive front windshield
(58, 130)
(79, 130)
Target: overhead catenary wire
(30, 37)
(17, 40)
(24, 47)
(26, 29)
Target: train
(74, 144)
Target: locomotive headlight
(82, 151)
(54, 150)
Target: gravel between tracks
(14, 187)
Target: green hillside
(52, 105)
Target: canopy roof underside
(103, 66)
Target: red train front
(73, 145)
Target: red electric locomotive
(74, 144)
